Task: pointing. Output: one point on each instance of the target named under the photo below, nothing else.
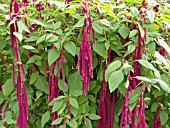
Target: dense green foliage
(132, 43)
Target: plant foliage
(85, 63)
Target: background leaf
(115, 79)
(53, 55)
(45, 118)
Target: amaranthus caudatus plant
(84, 64)
(20, 87)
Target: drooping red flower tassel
(21, 88)
(156, 121)
(141, 115)
(60, 62)
(3, 111)
(134, 82)
(53, 89)
(85, 62)
(68, 107)
(125, 117)
(113, 108)
(22, 101)
(103, 104)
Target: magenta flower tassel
(68, 107)
(141, 115)
(3, 111)
(21, 88)
(85, 62)
(156, 122)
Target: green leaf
(61, 110)
(130, 49)
(162, 43)
(7, 87)
(57, 25)
(154, 107)
(70, 47)
(116, 49)
(57, 121)
(111, 68)
(143, 78)
(127, 84)
(38, 22)
(77, 93)
(141, 29)
(134, 11)
(22, 26)
(74, 102)
(34, 77)
(73, 123)
(41, 39)
(28, 47)
(115, 79)
(45, 118)
(122, 88)
(163, 117)
(151, 15)
(105, 22)
(62, 86)
(52, 39)
(41, 84)
(80, 23)
(152, 47)
(94, 116)
(88, 123)
(33, 59)
(134, 98)
(148, 65)
(124, 31)
(163, 85)
(97, 28)
(109, 11)
(74, 111)
(3, 44)
(133, 33)
(57, 105)
(161, 59)
(62, 126)
(1, 97)
(11, 121)
(59, 31)
(55, 100)
(53, 55)
(74, 82)
(49, 36)
(38, 94)
(101, 49)
(91, 98)
(18, 35)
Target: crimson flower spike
(53, 91)
(21, 88)
(3, 111)
(85, 62)
(88, 22)
(156, 122)
(102, 108)
(141, 114)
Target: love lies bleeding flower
(85, 62)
